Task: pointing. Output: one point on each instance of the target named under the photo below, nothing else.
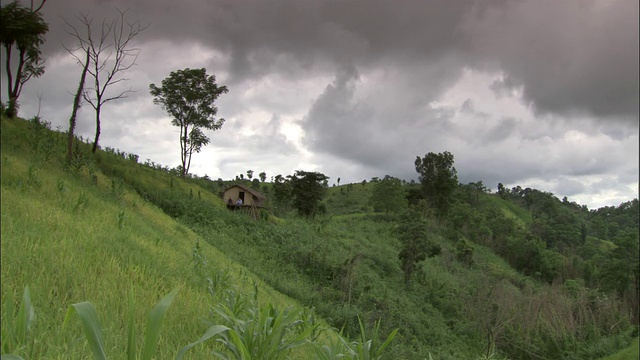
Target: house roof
(249, 190)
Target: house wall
(234, 194)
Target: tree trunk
(183, 144)
(10, 111)
(95, 140)
(76, 105)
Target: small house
(240, 195)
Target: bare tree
(110, 52)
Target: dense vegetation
(79, 240)
(517, 274)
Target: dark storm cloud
(570, 56)
(368, 82)
(257, 33)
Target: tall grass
(93, 330)
(75, 238)
(91, 232)
(15, 332)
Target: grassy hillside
(93, 229)
(349, 199)
(74, 236)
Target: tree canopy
(389, 195)
(23, 28)
(308, 189)
(439, 178)
(188, 96)
(416, 246)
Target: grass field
(73, 237)
(105, 227)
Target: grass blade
(8, 333)
(91, 325)
(26, 315)
(131, 340)
(212, 331)
(388, 341)
(10, 357)
(154, 325)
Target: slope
(83, 235)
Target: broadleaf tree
(389, 195)
(23, 28)
(414, 232)
(281, 193)
(308, 190)
(189, 96)
(439, 179)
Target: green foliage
(307, 189)
(23, 28)
(389, 195)
(439, 179)
(41, 140)
(92, 327)
(464, 252)
(605, 222)
(349, 199)
(370, 349)
(623, 268)
(16, 332)
(631, 352)
(120, 217)
(416, 246)
(264, 332)
(346, 265)
(188, 96)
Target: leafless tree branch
(110, 54)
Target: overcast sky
(536, 93)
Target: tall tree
(111, 53)
(389, 195)
(439, 179)
(188, 96)
(622, 268)
(23, 28)
(308, 189)
(263, 176)
(416, 246)
(281, 193)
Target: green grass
(508, 208)
(92, 235)
(71, 238)
(629, 353)
(349, 199)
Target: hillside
(81, 234)
(510, 277)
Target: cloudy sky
(537, 93)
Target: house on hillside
(242, 196)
